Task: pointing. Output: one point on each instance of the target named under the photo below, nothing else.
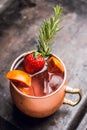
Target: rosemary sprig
(48, 30)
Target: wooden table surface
(19, 28)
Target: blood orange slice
(19, 76)
(54, 64)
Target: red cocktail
(45, 81)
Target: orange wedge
(26, 90)
(54, 63)
(20, 76)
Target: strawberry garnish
(33, 62)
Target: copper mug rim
(38, 97)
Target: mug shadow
(27, 122)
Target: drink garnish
(34, 62)
(19, 76)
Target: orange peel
(54, 63)
(19, 76)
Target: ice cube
(55, 81)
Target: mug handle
(73, 91)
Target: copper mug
(45, 105)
